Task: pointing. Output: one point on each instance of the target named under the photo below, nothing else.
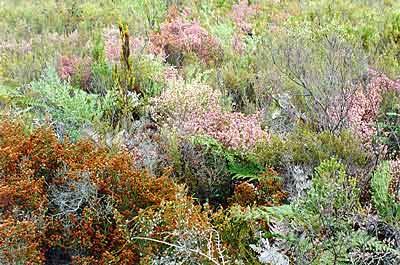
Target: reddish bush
(365, 103)
(20, 242)
(245, 194)
(179, 35)
(73, 200)
(75, 69)
(233, 129)
(267, 191)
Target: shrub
(365, 104)
(179, 100)
(68, 108)
(241, 12)
(235, 130)
(20, 242)
(76, 70)
(239, 232)
(204, 169)
(236, 80)
(265, 189)
(383, 200)
(320, 229)
(25, 59)
(306, 147)
(178, 36)
(190, 239)
(323, 72)
(79, 200)
(388, 124)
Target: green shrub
(68, 108)
(319, 226)
(239, 232)
(304, 146)
(388, 131)
(384, 202)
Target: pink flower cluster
(70, 67)
(241, 13)
(196, 109)
(179, 35)
(233, 129)
(67, 67)
(365, 103)
(113, 44)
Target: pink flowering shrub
(75, 69)
(179, 35)
(197, 109)
(67, 67)
(113, 44)
(233, 129)
(241, 13)
(365, 103)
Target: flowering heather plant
(178, 35)
(234, 129)
(241, 13)
(75, 69)
(365, 103)
(113, 44)
(197, 110)
(67, 67)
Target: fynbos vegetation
(200, 132)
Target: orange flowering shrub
(20, 242)
(79, 202)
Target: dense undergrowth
(199, 132)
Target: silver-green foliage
(319, 228)
(66, 107)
